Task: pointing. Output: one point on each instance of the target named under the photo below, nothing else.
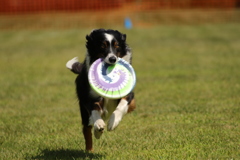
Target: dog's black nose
(112, 59)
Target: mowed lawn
(187, 92)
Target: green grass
(188, 95)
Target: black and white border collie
(108, 45)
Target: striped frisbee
(112, 81)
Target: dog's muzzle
(111, 58)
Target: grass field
(188, 95)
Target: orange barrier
(23, 6)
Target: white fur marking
(123, 106)
(98, 123)
(127, 57)
(71, 62)
(95, 116)
(106, 59)
(109, 37)
(117, 115)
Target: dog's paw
(98, 128)
(114, 120)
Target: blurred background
(16, 14)
(186, 57)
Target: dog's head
(106, 44)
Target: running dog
(108, 45)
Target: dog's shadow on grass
(66, 154)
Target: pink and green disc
(112, 81)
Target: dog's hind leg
(87, 129)
(87, 132)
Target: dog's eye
(116, 45)
(104, 45)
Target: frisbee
(112, 81)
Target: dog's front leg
(97, 120)
(117, 115)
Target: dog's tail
(74, 65)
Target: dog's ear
(124, 37)
(88, 38)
